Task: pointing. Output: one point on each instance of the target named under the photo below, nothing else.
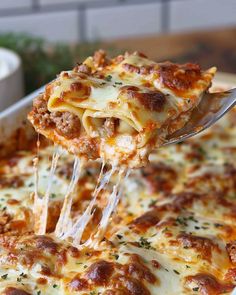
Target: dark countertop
(210, 47)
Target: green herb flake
(55, 286)
(165, 230)
(144, 243)
(116, 256)
(195, 289)
(181, 221)
(176, 271)
(202, 151)
(108, 78)
(152, 203)
(218, 225)
(4, 277)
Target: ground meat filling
(66, 123)
(41, 115)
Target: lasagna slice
(118, 109)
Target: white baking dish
(14, 117)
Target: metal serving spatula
(211, 108)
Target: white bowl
(11, 78)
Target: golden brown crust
(209, 285)
(179, 78)
(14, 291)
(151, 100)
(202, 245)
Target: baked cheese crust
(173, 232)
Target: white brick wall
(14, 3)
(195, 14)
(58, 26)
(46, 2)
(123, 21)
(114, 20)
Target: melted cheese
(184, 246)
(173, 232)
(124, 105)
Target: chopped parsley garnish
(192, 219)
(181, 221)
(55, 286)
(30, 184)
(201, 151)
(218, 225)
(23, 275)
(165, 230)
(118, 83)
(53, 195)
(144, 243)
(108, 78)
(39, 292)
(176, 271)
(195, 289)
(206, 223)
(119, 237)
(152, 203)
(4, 277)
(116, 256)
